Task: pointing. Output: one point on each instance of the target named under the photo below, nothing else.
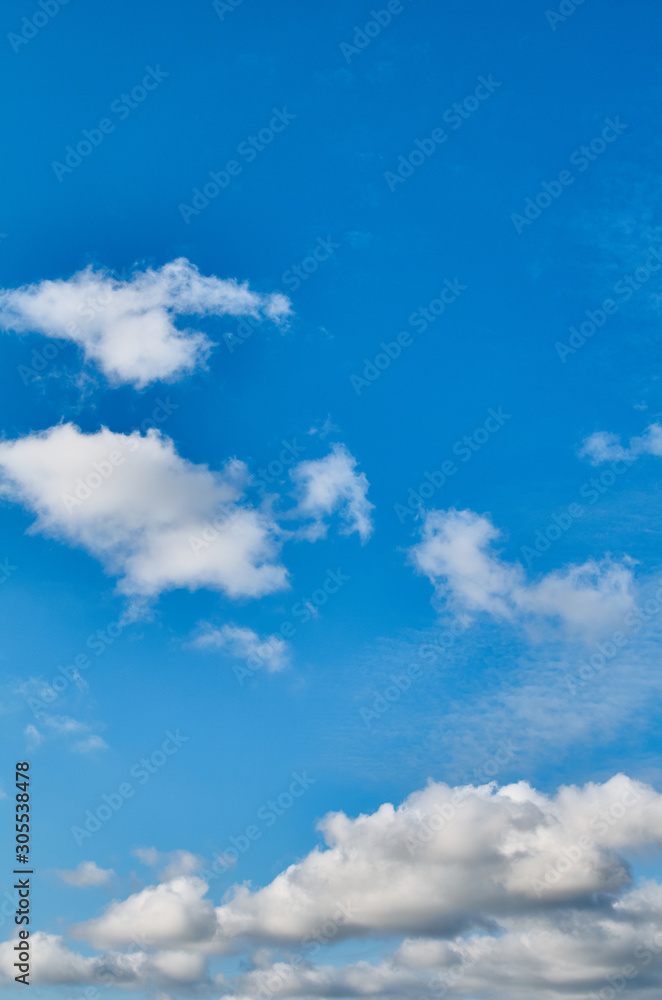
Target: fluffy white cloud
(127, 326)
(445, 862)
(331, 484)
(455, 553)
(85, 741)
(150, 517)
(501, 894)
(88, 874)
(172, 914)
(54, 964)
(605, 447)
(156, 520)
(269, 652)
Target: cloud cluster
(152, 518)
(269, 652)
(332, 484)
(605, 447)
(456, 553)
(498, 893)
(128, 326)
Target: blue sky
(381, 201)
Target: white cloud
(86, 875)
(172, 914)
(150, 517)
(63, 725)
(329, 485)
(445, 862)
(455, 554)
(605, 447)
(269, 652)
(171, 864)
(53, 964)
(158, 521)
(501, 894)
(127, 326)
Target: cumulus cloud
(445, 862)
(88, 874)
(495, 893)
(332, 484)
(152, 518)
(54, 964)
(269, 652)
(605, 447)
(127, 326)
(169, 915)
(158, 521)
(456, 554)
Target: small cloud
(171, 864)
(269, 652)
(86, 876)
